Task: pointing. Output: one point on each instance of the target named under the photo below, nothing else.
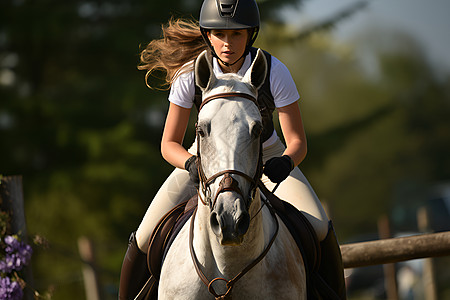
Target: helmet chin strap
(228, 64)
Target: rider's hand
(278, 168)
(191, 165)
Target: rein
(229, 283)
(228, 183)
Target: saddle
(169, 226)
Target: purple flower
(24, 253)
(7, 264)
(18, 255)
(10, 290)
(12, 244)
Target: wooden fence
(395, 249)
(391, 250)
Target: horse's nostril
(215, 223)
(243, 224)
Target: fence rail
(395, 249)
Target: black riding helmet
(229, 14)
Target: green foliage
(376, 138)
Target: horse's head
(229, 147)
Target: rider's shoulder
(185, 73)
(276, 65)
(278, 68)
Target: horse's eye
(203, 129)
(256, 129)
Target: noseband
(228, 183)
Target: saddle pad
(300, 228)
(164, 234)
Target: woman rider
(228, 29)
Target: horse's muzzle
(230, 228)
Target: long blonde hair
(181, 43)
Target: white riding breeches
(178, 188)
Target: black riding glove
(278, 168)
(191, 165)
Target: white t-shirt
(282, 86)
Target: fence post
(90, 276)
(11, 202)
(428, 275)
(390, 279)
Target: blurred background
(79, 124)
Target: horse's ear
(256, 74)
(203, 70)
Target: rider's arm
(174, 129)
(294, 134)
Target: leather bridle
(228, 183)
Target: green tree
(375, 136)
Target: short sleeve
(282, 84)
(182, 92)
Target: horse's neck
(232, 259)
